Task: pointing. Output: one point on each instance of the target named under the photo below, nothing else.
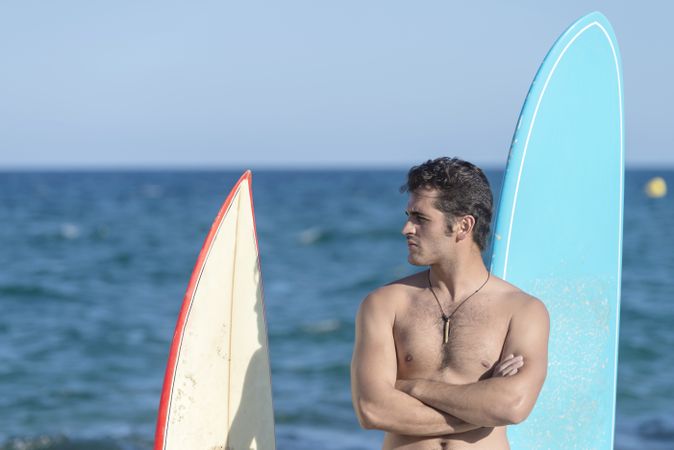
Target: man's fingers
(509, 366)
(508, 359)
(511, 362)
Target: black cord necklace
(445, 317)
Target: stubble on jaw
(413, 256)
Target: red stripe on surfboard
(164, 403)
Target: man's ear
(464, 226)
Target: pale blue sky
(300, 83)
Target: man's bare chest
(477, 332)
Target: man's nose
(408, 228)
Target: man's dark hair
(463, 188)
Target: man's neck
(459, 278)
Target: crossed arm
(377, 402)
(497, 401)
(430, 408)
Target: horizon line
(267, 167)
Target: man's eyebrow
(415, 213)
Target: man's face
(425, 229)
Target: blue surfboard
(558, 232)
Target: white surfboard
(217, 387)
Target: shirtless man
(446, 358)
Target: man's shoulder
(391, 294)
(521, 302)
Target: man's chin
(415, 261)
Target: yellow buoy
(656, 187)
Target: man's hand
(508, 366)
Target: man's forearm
(487, 403)
(402, 414)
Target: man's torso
(477, 333)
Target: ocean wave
(362, 284)
(69, 231)
(657, 429)
(312, 236)
(64, 231)
(322, 326)
(30, 291)
(319, 235)
(62, 442)
(152, 190)
(318, 331)
(294, 432)
(311, 370)
(326, 437)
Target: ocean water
(94, 266)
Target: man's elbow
(518, 403)
(516, 410)
(366, 413)
(519, 412)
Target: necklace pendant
(446, 331)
